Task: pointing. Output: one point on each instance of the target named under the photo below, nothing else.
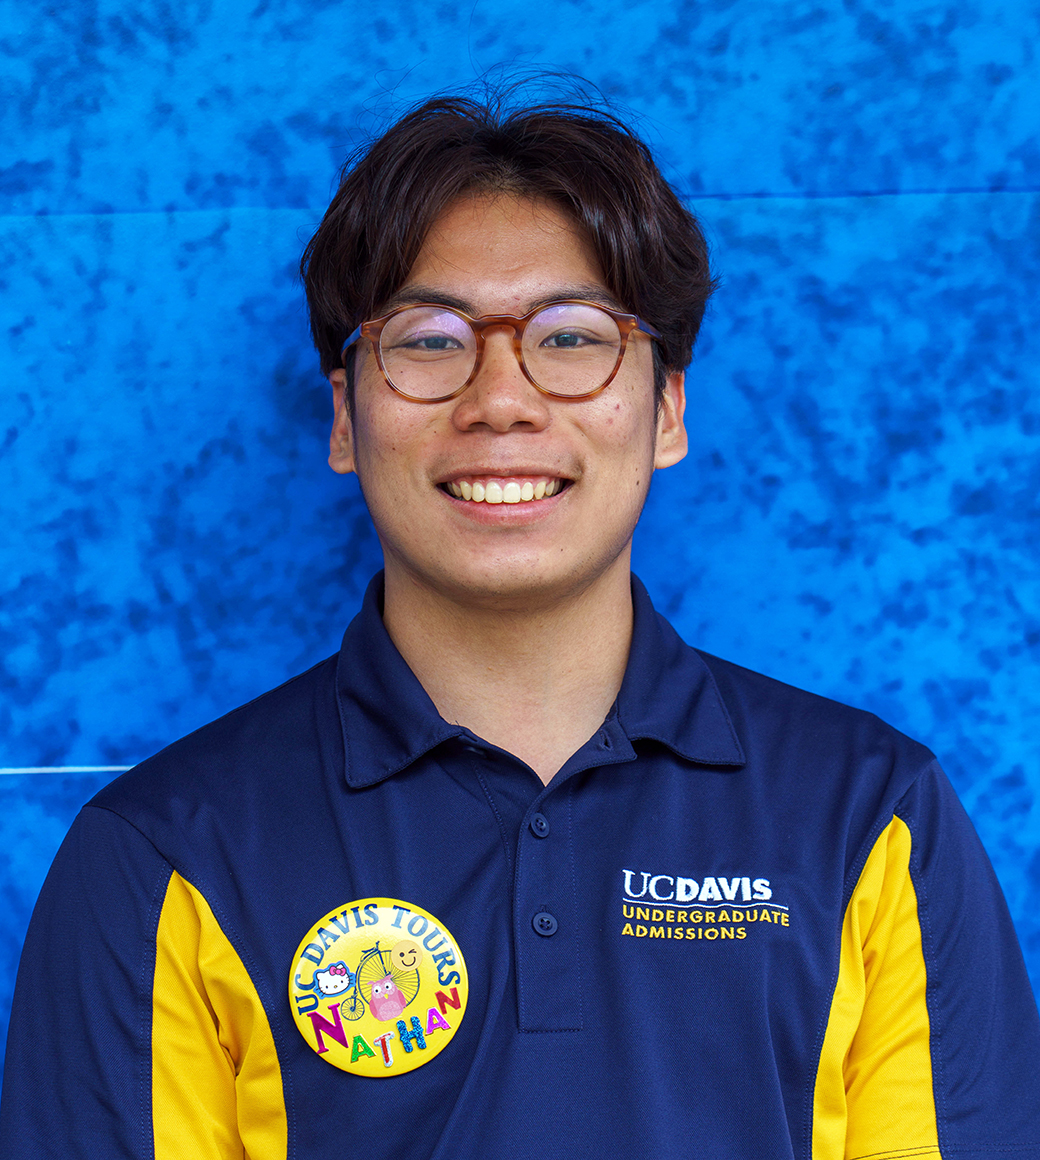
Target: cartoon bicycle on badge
(387, 979)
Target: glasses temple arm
(643, 326)
(350, 341)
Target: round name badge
(378, 987)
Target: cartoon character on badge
(387, 1000)
(406, 955)
(335, 980)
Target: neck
(536, 682)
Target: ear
(671, 430)
(341, 440)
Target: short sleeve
(137, 1031)
(932, 1046)
(77, 1075)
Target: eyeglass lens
(568, 348)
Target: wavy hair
(579, 157)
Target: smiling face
(406, 955)
(503, 496)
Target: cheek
(627, 428)
(390, 443)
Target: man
(518, 873)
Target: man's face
(594, 457)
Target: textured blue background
(860, 510)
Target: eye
(567, 340)
(431, 343)
(571, 326)
(424, 331)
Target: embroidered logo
(714, 908)
(378, 987)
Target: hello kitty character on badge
(387, 1000)
(336, 979)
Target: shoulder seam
(875, 832)
(91, 805)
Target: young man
(518, 873)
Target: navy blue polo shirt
(741, 921)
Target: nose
(500, 398)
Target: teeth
(494, 492)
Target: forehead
(504, 254)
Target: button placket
(546, 920)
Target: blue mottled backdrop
(860, 510)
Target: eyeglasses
(569, 349)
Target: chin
(522, 585)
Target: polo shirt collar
(387, 717)
(669, 694)
(388, 720)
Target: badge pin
(378, 987)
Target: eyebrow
(411, 295)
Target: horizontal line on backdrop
(64, 768)
(316, 212)
(703, 195)
(811, 195)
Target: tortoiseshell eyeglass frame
(626, 324)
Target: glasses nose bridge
(492, 322)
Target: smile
(492, 489)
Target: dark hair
(651, 249)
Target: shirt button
(544, 924)
(540, 826)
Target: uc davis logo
(378, 987)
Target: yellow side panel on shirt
(874, 1096)
(216, 1083)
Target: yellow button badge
(378, 987)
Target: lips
(494, 489)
